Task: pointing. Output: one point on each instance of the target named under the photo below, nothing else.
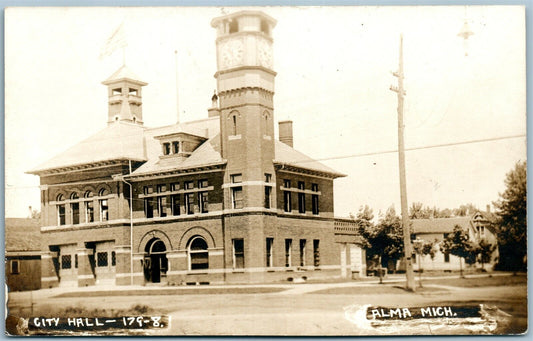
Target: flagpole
(177, 88)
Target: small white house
(437, 229)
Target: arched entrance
(155, 260)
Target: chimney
(488, 208)
(285, 132)
(214, 111)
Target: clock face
(231, 53)
(265, 54)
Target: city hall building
(217, 200)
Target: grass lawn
(476, 282)
(375, 289)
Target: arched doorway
(155, 261)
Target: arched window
(265, 124)
(233, 118)
(74, 209)
(60, 209)
(88, 207)
(103, 205)
(198, 254)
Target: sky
(333, 69)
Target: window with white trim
(60, 210)
(301, 197)
(287, 196)
(104, 208)
(236, 192)
(198, 254)
(202, 196)
(238, 253)
(288, 252)
(269, 252)
(88, 207)
(74, 209)
(314, 199)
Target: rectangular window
(316, 252)
(61, 215)
(238, 253)
(101, 259)
(189, 203)
(236, 178)
(236, 197)
(202, 196)
(202, 202)
(66, 262)
(446, 257)
(75, 208)
(287, 197)
(301, 197)
(302, 252)
(76, 261)
(162, 201)
(166, 148)
(413, 257)
(175, 202)
(175, 186)
(89, 212)
(268, 195)
(189, 184)
(15, 266)
(162, 206)
(288, 247)
(148, 190)
(269, 246)
(149, 207)
(113, 258)
(104, 210)
(236, 192)
(175, 147)
(314, 199)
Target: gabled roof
(439, 225)
(22, 234)
(285, 155)
(207, 154)
(118, 141)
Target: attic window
(264, 27)
(233, 26)
(175, 147)
(117, 91)
(166, 148)
(133, 92)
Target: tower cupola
(125, 97)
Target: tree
(485, 250)
(385, 240)
(512, 220)
(423, 248)
(458, 244)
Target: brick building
(209, 201)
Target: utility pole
(177, 88)
(408, 250)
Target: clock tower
(245, 84)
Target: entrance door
(155, 263)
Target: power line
(10, 187)
(414, 148)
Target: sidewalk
(284, 289)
